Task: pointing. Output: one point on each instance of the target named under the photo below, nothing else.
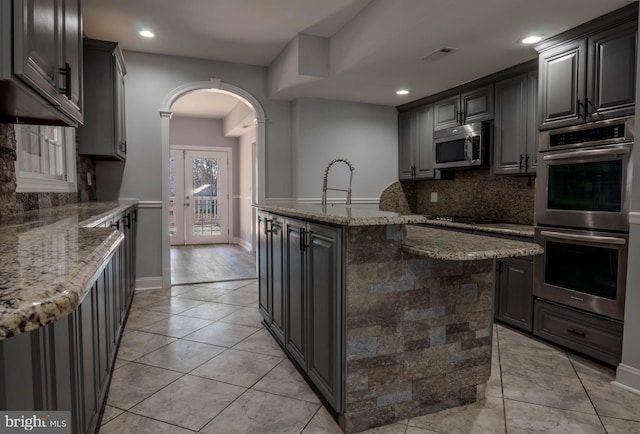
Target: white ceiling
(376, 46)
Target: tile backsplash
(472, 193)
(12, 202)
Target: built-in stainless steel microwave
(462, 146)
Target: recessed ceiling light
(147, 33)
(532, 39)
(402, 92)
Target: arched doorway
(258, 158)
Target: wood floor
(211, 263)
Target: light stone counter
(48, 259)
(494, 228)
(457, 246)
(341, 214)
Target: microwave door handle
(613, 150)
(468, 149)
(586, 238)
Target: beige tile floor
(195, 358)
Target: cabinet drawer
(593, 336)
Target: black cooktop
(466, 220)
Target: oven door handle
(612, 150)
(587, 238)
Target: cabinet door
(88, 364)
(36, 40)
(71, 54)
(611, 89)
(477, 105)
(406, 140)
(446, 113)
(510, 126)
(531, 151)
(561, 93)
(277, 277)
(295, 289)
(119, 109)
(325, 312)
(515, 292)
(264, 274)
(424, 143)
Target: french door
(198, 197)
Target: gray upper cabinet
(103, 134)
(589, 78)
(41, 68)
(415, 130)
(472, 106)
(515, 132)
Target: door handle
(585, 238)
(610, 150)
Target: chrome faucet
(326, 176)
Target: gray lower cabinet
(516, 127)
(312, 266)
(580, 331)
(67, 364)
(415, 140)
(270, 270)
(514, 292)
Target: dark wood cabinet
(588, 78)
(41, 69)
(324, 289)
(475, 105)
(311, 259)
(514, 292)
(415, 139)
(103, 134)
(297, 309)
(270, 271)
(515, 127)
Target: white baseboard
(628, 378)
(143, 283)
(242, 243)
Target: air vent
(439, 53)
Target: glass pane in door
(172, 197)
(204, 208)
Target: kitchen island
(387, 319)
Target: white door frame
(230, 175)
(259, 157)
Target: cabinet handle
(66, 71)
(116, 225)
(579, 105)
(520, 164)
(577, 332)
(526, 163)
(463, 117)
(135, 215)
(124, 147)
(268, 226)
(127, 223)
(303, 239)
(586, 107)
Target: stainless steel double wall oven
(582, 215)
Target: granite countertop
(47, 261)
(457, 246)
(495, 228)
(341, 214)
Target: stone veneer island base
(417, 315)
